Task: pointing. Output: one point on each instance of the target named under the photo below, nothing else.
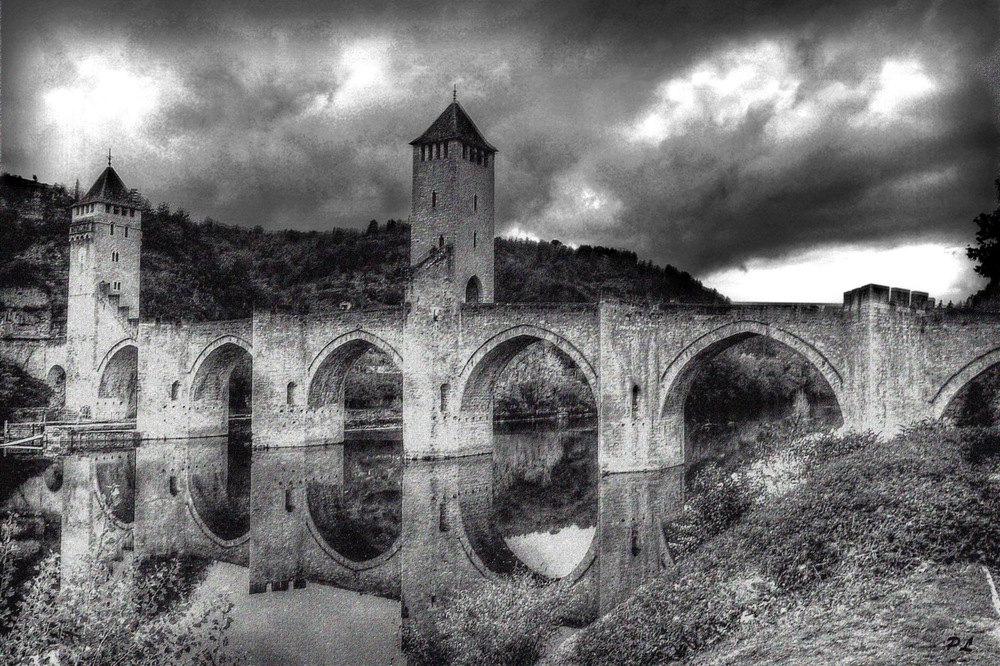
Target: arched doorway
(536, 500)
(117, 398)
(473, 290)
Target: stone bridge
(888, 357)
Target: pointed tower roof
(454, 123)
(109, 188)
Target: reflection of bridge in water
(203, 498)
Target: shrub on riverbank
(497, 622)
(877, 509)
(136, 613)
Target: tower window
(486, 159)
(465, 152)
(131, 213)
(114, 255)
(475, 202)
(126, 232)
(175, 390)
(434, 199)
(473, 240)
(423, 153)
(635, 400)
(441, 241)
(444, 398)
(112, 229)
(446, 149)
(290, 393)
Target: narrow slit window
(126, 232)
(444, 398)
(434, 199)
(473, 240)
(290, 391)
(289, 501)
(635, 400)
(175, 390)
(112, 229)
(441, 241)
(475, 202)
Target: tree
(987, 252)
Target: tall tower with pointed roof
(103, 311)
(105, 237)
(451, 217)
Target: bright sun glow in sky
(822, 276)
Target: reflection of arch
(476, 532)
(120, 375)
(56, 379)
(473, 290)
(215, 364)
(955, 383)
(346, 562)
(222, 515)
(328, 370)
(679, 375)
(480, 373)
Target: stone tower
(103, 310)
(451, 236)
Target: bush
(501, 623)
(137, 614)
(863, 507)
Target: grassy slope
(855, 534)
(898, 620)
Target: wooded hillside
(207, 270)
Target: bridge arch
(469, 511)
(480, 372)
(956, 382)
(328, 371)
(119, 373)
(676, 380)
(212, 369)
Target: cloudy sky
(777, 150)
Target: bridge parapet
(881, 295)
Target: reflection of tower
(451, 239)
(105, 237)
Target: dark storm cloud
(266, 114)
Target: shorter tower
(105, 238)
(451, 218)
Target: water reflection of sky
(552, 554)
(315, 625)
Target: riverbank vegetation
(836, 521)
(135, 612)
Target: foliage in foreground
(860, 508)
(137, 614)
(497, 622)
